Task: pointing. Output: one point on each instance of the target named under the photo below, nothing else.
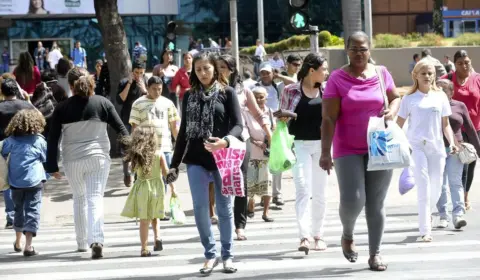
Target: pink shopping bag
(229, 162)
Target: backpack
(3, 170)
(44, 100)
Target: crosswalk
(269, 253)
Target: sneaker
(97, 251)
(9, 225)
(459, 222)
(443, 223)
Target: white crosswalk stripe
(270, 252)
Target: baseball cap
(266, 67)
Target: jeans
(27, 209)
(40, 64)
(199, 178)
(452, 176)
(88, 178)
(256, 69)
(168, 159)
(428, 174)
(9, 205)
(310, 181)
(5, 68)
(359, 188)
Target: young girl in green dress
(146, 199)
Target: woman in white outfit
(427, 109)
(304, 98)
(81, 122)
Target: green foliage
(468, 39)
(431, 40)
(324, 38)
(390, 41)
(412, 37)
(295, 42)
(438, 17)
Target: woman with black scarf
(211, 112)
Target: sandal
(376, 264)
(15, 248)
(320, 244)
(228, 267)
(251, 214)
(214, 220)
(145, 253)
(158, 245)
(206, 270)
(348, 249)
(426, 238)
(305, 247)
(240, 235)
(267, 219)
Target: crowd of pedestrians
(184, 115)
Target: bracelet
(227, 140)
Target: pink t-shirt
(360, 100)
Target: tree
(116, 51)
(114, 42)
(351, 17)
(438, 17)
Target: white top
(424, 113)
(277, 64)
(53, 57)
(260, 51)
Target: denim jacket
(27, 153)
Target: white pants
(310, 181)
(88, 178)
(428, 174)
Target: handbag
(3, 170)
(467, 153)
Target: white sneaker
(443, 223)
(459, 222)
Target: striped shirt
(159, 113)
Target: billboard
(66, 8)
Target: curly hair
(26, 122)
(141, 148)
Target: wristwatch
(227, 140)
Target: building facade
(407, 16)
(201, 19)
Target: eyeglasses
(360, 50)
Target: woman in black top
(210, 113)
(305, 100)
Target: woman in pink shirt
(352, 96)
(26, 73)
(466, 85)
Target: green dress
(146, 198)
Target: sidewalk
(57, 207)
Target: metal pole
(179, 57)
(234, 31)
(314, 48)
(368, 18)
(261, 28)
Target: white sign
(46, 8)
(470, 13)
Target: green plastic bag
(282, 157)
(178, 216)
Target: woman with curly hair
(26, 73)
(81, 121)
(146, 199)
(27, 150)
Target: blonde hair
(418, 67)
(259, 90)
(141, 148)
(26, 122)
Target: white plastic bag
(388, 147)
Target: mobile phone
(210, 140)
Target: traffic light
(171, 37)
(299, 19)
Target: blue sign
(461, 14)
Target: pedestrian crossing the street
(269, 253)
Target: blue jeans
(40, 64)
(9, 206)
(27, 209)
(452, 176)
(199, 178)
(5, 68)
